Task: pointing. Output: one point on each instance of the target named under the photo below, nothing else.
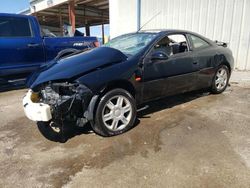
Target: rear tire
(115, 113)
(220, 80)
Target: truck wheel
(115, 113)
(220, 80)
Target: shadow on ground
(169, 102)
(70, 130)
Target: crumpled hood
(76, 65)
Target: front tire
(220, 80)
(51, 131)
(115, 113)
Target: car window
(172, 44)
(131, 44)
(198, 42)
(14, 27)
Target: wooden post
(103, 40)
(72, 15)
(87, 29)
(61, 22)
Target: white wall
(223, 20)
(122, 15)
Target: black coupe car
(105, 85)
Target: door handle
(31, 45)
(195, 62)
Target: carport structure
(77, 13)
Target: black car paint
(104, 67)
(70, 68)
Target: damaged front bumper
(57, 102)
(36, 111)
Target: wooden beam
(78, 11)
(83, 2)
(96, 2)
(61, 23)
(87, 30)
(104, 7)
(52, 15)
(101, 3)
(72, 15)
(103, 40)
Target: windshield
(131, 44)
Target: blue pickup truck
(24, 47)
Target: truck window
(15, 27)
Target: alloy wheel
(221, 79)
(117, 113)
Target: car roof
(167, 31)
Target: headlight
(35, 97)
(56, 93)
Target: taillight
(96, 44)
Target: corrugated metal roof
(48, 12)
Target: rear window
(198, 42)
(14, 27)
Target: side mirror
(159, 56)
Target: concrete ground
(190, 140)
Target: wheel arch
(122, 84)
(226, 58)
(228, 66)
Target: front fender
(89, 113)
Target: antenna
(148, 21)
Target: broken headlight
(55, 93)
(66, 98)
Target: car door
(175, 74)
(203, 53)
(20, 50)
